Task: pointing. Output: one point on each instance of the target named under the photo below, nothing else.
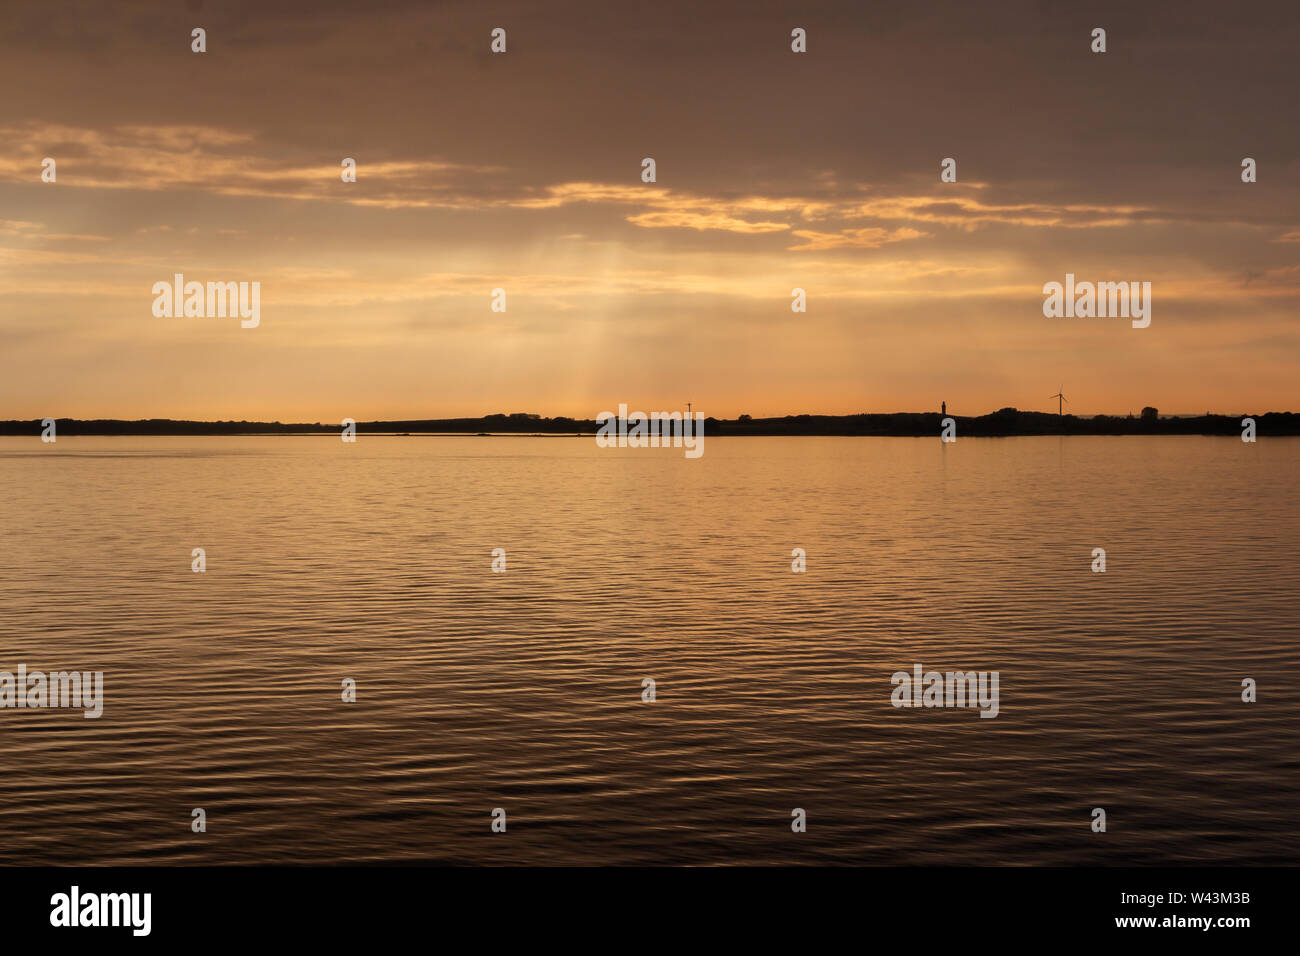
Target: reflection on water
(522, 690)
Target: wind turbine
(1059, 399)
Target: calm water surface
(523, 690)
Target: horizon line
(523, 417)
(1004, 422)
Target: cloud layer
(522, 171)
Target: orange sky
(522, 171)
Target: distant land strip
(1005, 422)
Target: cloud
(225, 162)
(870, 237)
(231, 162)
(685, 219)
(38, 231)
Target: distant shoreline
(1006, 422)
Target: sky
(775, 170)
